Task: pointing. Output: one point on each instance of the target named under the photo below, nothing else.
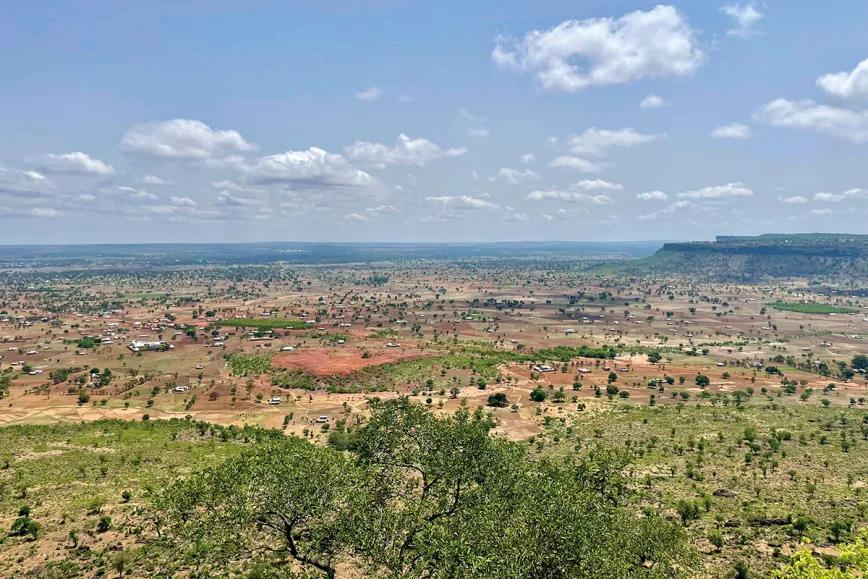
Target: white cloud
(478, 133)
(369, 94)
(76, 162)
(183, 201)
(839, 122)
(514, 176)
(528, 158)
(183, 139)
(463, 202)
(24, 184)
(136, 194)
(513, 215)
(154, 180)
(44, 212)
(226, 198)
(745, 17)
(732, 131)
(668, 211)
(843, 196)
(577, 54)
(718, 192)
(652, 196)
(652, 101)
(822, 211)
(596, 141)
(793, 200)
(358, 217)
(596, 185)
(470, 116)
(847, 85)
(407, 151)
(578, 164)
(569, 196)
(314, 167)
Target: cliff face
(814, 255)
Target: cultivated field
(742, 407)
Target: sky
(388, 120)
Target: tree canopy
(418, 495)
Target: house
(150, 346)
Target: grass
(265, 323)
(810, 308)
(248, 365)
(72, 474)
(764, 477)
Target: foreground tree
(419, 495)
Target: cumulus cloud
(596, 185)
(134, 194)
(514, 176)
(652, 101)
(312, 167)
(24, 184)
(596, 141)
(154, 180)
(732, 131)
(578, 164)
(527, 158)
(183, 201)
(573, 196)
(745, 17)
(718, 192)
(406, 151)
(183, 139)
(843, 196)
(847, 85)
(577, 54)
(369, 94)
(371, 213)
(44, 212)
(76, 163)
(844, 123)
(652, 196)
(463, 202)
(793, 200)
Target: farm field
(741, 424)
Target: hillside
(770, 255)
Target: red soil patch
(326, 362)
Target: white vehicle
(180, 388)
(287, 349)
(200, 366)
(322, 420)
(275, 400)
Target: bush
(498, 400)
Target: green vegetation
(248, 365)
(810, 308)
(852, 563)
(417, 495)
(738, 477)
(265, 323)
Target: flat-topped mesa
(770, 255)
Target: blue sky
(424, 121)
